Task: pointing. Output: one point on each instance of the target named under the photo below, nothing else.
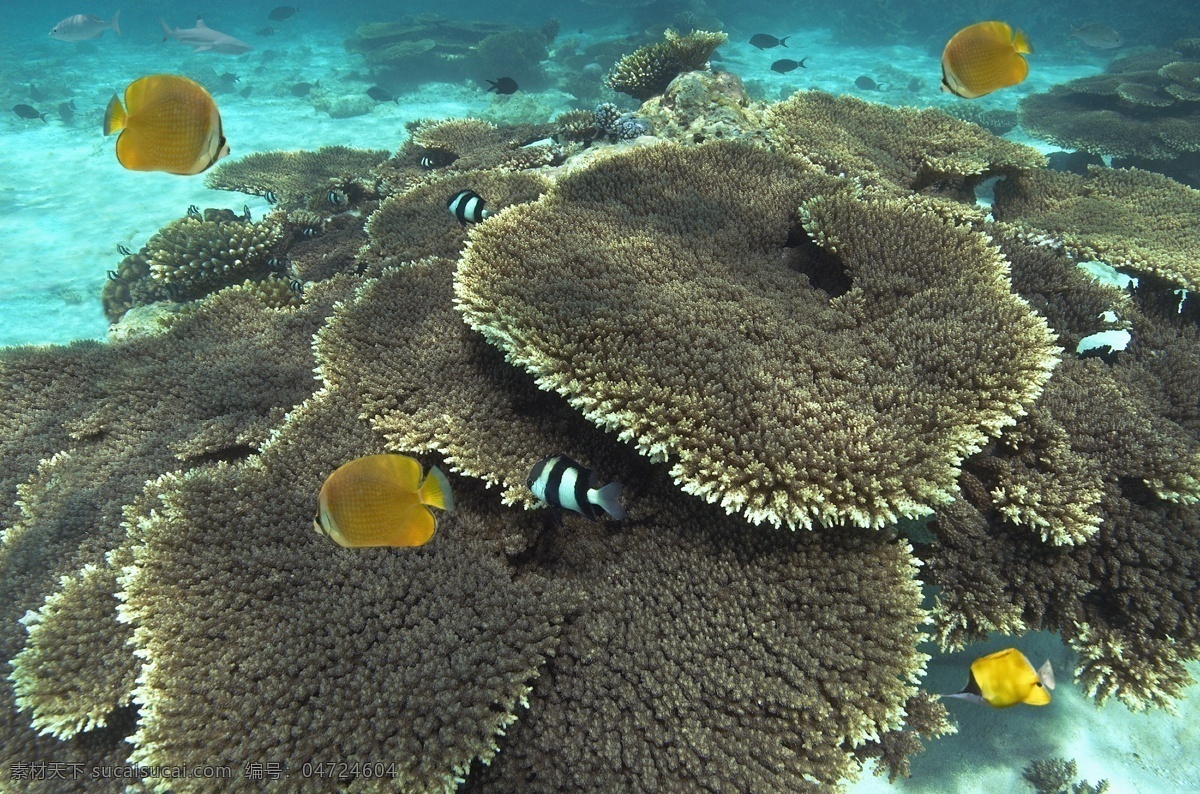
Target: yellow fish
(983, 57)
(168, 123)
(380, 500)
(1006, 678)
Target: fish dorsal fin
(435, 491)
(1021, 42)
(200, 23)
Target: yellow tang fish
(1006, 678)
(168, 123)
(983, 57)
(380, 500)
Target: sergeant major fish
(561, 482)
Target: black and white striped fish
(561, 482)
(467, 206)
(437, 158)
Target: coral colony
(786, 328)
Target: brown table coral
(803, 355)
(1145, 109)
(1136, 221)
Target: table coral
(915, 150)
(725, 308)
(1137, 221)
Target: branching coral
(473, 144)
(672, 296)
(917, 150)
(719, 680)
(1134, 220)
(299, 178)
(190, 258)
(62, 696)
(1125, 599)
(307, 629)
(1145, 106)
(647, 71)
(83, 428)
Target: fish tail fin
(166, 29)
(783, 41)
(114, 116)
(44, 118)
(113, 23)
(435, 491)
(802, 60)
(1046, 674)
(1021, 42)
(608, 499)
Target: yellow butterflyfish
(983, 57)
(1006, 678)
(381, 500)
(168, 123)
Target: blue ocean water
(66, 204)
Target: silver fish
(82, 27)
(204, 39)
(1101, 37)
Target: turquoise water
(66, 205)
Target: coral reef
(298, 178)
(812, 325)
(915, 150)
(647, 71)
(62, 699)
(1134, 220)
(764, 324)
(1057, 776)
(82, 431)
(698, 106)
(1143, 110)
(190, 258)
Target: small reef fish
(267, 31)
(280, 13)
(381, 95)
(766, 42)
(168, 123)
(983, 57)
(503, 85)
(1006, 678)
(66, 111)
(202, 38)
(467, 207)
(1100, 37)
(785, 65)
(302, 89)
(381, 500)
(437, 158)
(29, 112)
(563, 483)
(82, 27)
(868, 84)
